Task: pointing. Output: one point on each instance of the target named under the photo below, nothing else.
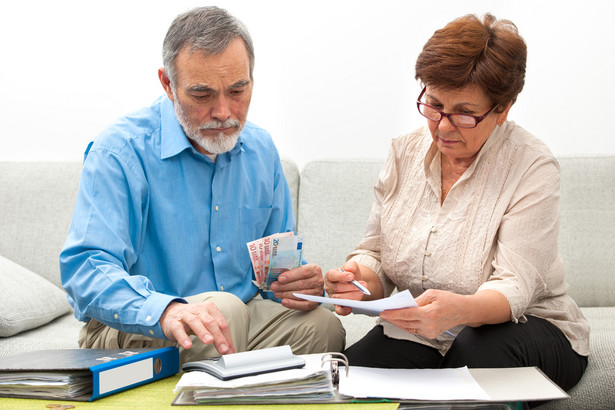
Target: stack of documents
(311, 383)
(46, 385)
(83, 374)
(316, 383)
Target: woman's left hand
(438, 311)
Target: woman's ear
(503, 116)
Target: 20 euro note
(260, 254)
(286, 254)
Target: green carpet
(159, 395)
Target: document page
(518, 384)
(411, 384)
(372, 307)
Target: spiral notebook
(327, 378)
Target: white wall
(333, 78)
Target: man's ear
(166, 82)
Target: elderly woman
(466, 216)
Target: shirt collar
(174, 140)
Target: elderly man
(169, 197)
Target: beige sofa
(37, 198)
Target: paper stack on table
(273, 255)
(83, 374)
(312, 383)
(320, 382)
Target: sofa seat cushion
(595, 390)
(27, 300)
(60, 333)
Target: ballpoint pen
(357, 284)
(361, 287)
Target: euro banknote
(274, 254)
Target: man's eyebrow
(201, 88)
(239, 84)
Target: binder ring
(335, 359)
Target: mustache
(213, 124)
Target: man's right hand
(204, 320)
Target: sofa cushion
(36, 207)
(335, 199)
(27, 300)
(586, 230)
(291, 172)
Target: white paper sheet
(517, 384)
(411, 384)
(372, 307)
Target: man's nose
(221, 109)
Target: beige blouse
(496, 229)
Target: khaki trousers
(256, 325)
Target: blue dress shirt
(155, 220)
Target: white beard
(217, 144)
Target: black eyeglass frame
(477, 118)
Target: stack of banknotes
(273, 255)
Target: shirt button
(424, 277)
(427, 253)
(222, 288)
(151, 332)
(217, 208)
(116, 316)
(434, 229)
(147, 319)
(219, 249)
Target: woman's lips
(446, 141)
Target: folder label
(126, 375)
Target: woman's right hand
(338, 285)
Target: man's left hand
(306, 279)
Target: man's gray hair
(207, 29)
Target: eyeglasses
(458, 120)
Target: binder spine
(132, 371)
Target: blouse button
(219, 249)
